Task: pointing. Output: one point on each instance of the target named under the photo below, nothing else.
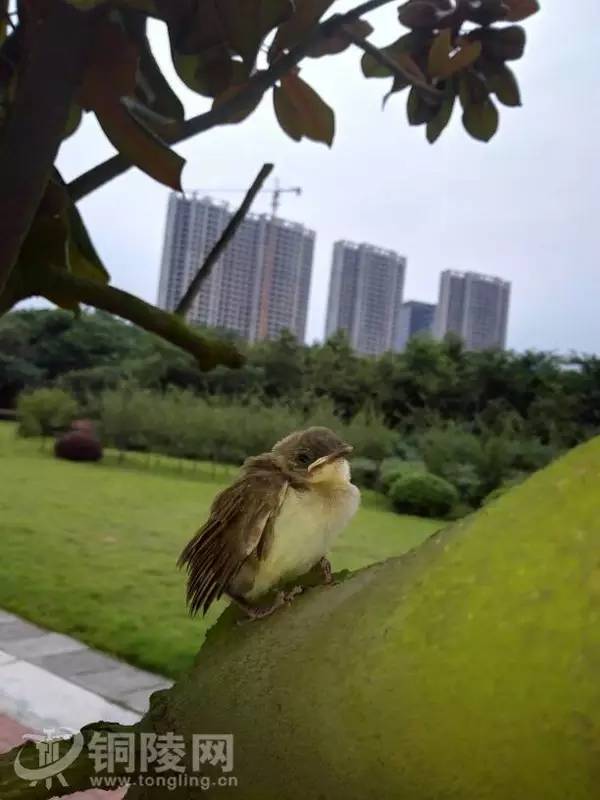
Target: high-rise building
(474, 307)
(258, 287)
(415, 318)
(365, 295)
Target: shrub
(45, 412)
(364, 472)
(393, 468)
(423, 494)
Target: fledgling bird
(273, 524)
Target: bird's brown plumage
(240, 524)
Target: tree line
(480, 421)
(552, 397)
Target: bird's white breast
(306, 528)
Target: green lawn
(90, 549)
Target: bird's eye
(304, 459)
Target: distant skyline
(523, 207)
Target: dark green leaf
(503, 84)
(302, 112)
(481, 120)
(472, 89)
(419, 109)
(437, 125)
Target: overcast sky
(524, 207)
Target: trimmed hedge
(423, 494)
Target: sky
(524, 206)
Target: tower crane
(275, 193)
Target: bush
(423, 494)
(45, 412)
(364, 472)
(393, 468)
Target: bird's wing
(240, 523)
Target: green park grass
(90, 549)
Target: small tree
(45, 412)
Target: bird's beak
(341, 452)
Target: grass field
(90, 549)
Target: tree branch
(416, 78)
(55, 284)
(45, 91)
(234, 223)
(256, 87)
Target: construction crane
(275, 192)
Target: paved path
(50, 680)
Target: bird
(273, 524)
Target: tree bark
(50, 75)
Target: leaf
(472, 89)
(247, 22)
(521, 9)
(486, 11)
(418, 109)
(306, 16)
(84, 260)
(400, 52)
(302, 112)
(111, 75)
(481, 120)
(420, 14)
(445, 60)
(3, 19)
(398, 85)
(153, 89)
(112, 66)
(338, 42)
(502, 44)
(437, 125)
(149, 6)
(140, 145)
(241, 114)
(211, 72)
(503, 84)
(73, 120)
(439, 53)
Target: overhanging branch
(255, 89)
(57, 284)
(220, 246)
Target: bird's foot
(260, 612)
(326, 572)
